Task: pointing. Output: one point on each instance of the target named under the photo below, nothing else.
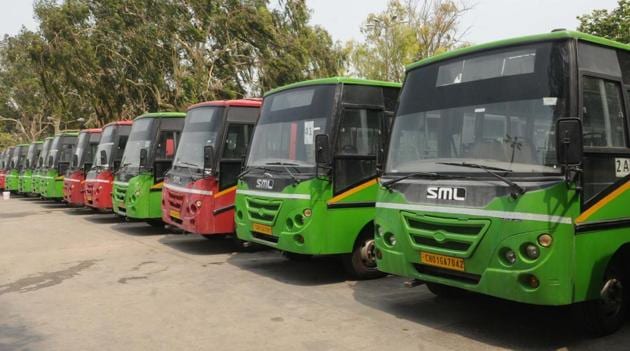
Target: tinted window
(603, 117)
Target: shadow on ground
(271, 264)
(194, 244)
(485, 319)
(53, 204)
(17, 337)
(78, 211)
(139, 229)
(103, 218)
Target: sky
(488, 20)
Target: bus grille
(120, 193)
(451, 236)
(263, 210)
(175, 200)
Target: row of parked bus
(501, 169)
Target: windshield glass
(43, 155)
(18, 153)
(106, 144)
(495, 108)
(289, 121)
(30, 155)
(61, 150)
(141, 137)
(201, 129)
(82, 145)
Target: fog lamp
(532, 251)
(198, 203)
(308, 212)
(390, 239)
(532, 281)
(545, 240)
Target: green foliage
(405, 32)
(103, 60)
(7, 140)
(614, 25)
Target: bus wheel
(361, 263)
(445, 291)
(605, 315)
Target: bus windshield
(18, 153)
(106, 144)
(30, 155)
(289, 121)
(201, 129)
(43, 155)
(61, 150)
(496, 109)
(140, 137)
(82, 145)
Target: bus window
(603, 118)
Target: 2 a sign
(622, 167)
(446, 193)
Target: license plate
(121, 204)
(174, 214)
(261, 228)
(442, 261)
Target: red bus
(74, 180)
(199, 190)
(100, 178)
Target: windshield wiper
(250, 168)
(517, 190)
(284, 165)
(388, 184)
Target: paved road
(74, 280)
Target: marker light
(532, 251)
(545, 240)
(390, 239)
(532, 281)
(509, 256)
(308, 212)
(198, 203)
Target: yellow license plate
(442, 261)
(261, 228)
(174, 214)
(121, 204)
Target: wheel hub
(367, 253)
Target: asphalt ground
(73, 279)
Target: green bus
(148, 155)
(40, 167)
(15, 167)
(57, 162)
(309, 185)
(30, 162)
(507, 174)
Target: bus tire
(605, 315)
(445, 291)
(361, 263)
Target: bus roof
(555, 35)
(24, 145)
(38, 142)
(49, 138)
(68, 133)
(162, 115)
(91, 130)
(125, 122)
(251, 102)
(335, 80)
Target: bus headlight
(390, 239)
(510, 256)
(545, 240)
(531, 251)
(198, 203)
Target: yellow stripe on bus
(221, 193)
(601, 203)
(352, 191)
(157, 186)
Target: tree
(405, 32)
(614, 25)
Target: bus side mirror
(322, 150)
(143, 158)
(208, 158)
(103, 156)
(569, 146)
